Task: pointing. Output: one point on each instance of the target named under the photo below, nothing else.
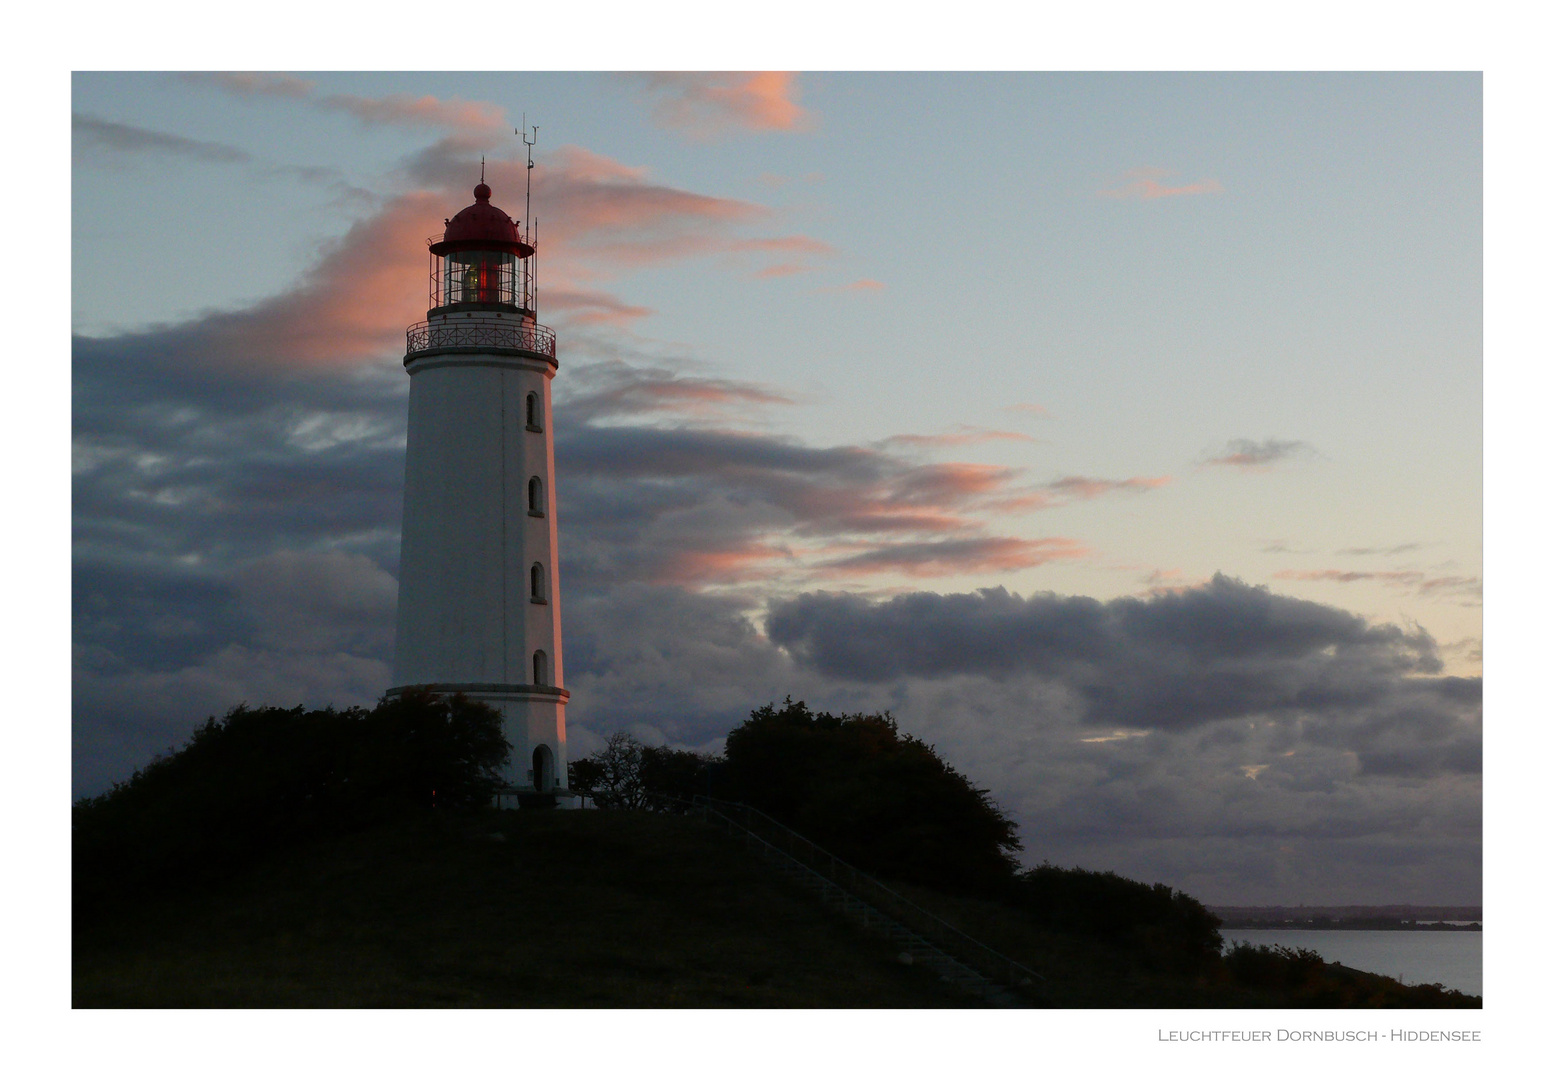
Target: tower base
(534, 723)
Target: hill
(598, 909)
(509, 909)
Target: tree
(884, 801)
(626, 775)
(613, 776)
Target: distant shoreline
(1347, 924)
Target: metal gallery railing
(955, 942)
(479, 332)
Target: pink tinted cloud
(351, 307)
(721, 566)
(455, 114)
(1090, 487)
(944, 558)
(708, 103)
(963, 436)
(1074, 489)
(596, 206)
(1144, 184)
(783, 270)
(802, 245)
(592, 307)
(427, 110)
(861, 285)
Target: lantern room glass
(480, 277)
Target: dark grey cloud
(102, 134)
(253, 83)
(1173, 661)
(1396, 549)
(1250, 454)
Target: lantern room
(481, 262)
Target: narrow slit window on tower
(541, 672)
(536, 584)
(531, 413)
(536, 497)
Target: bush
(1275, 967)
(884, 801)
(1166, 926)
(259, 778)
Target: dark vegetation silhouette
(626, 775)
(261, 778)
(859, 787)
(272, 784)
(1166, 926)
(891, 805)
(888, 803)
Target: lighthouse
(479, 590)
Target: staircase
(922, 937)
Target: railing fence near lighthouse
(480, 331)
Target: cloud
(237, 537)
(350, 308)
(1246, 454)
(612, 214)
(126, 138)
(236, 503)
(1038, 411)
(312, 601)
(861, 285)
(964, 435)
(944, 558)
(707, 104)
(1090, 487)
(783, 270)
(1397, 549)
(615, 389)
(723, 500)
(805, 245)
(254, 83)
(1416, 580)
(1144, 184)
(1176, 660)
(480, 118)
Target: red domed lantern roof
(482, 227)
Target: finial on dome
(482, 193)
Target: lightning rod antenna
(528, 175)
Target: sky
(1120, 434)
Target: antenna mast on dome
(528, 175)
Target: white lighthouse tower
(479, 596)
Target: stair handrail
(1014, 972)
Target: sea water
(1453, 958)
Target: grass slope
(599, 909)
(500, 909)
